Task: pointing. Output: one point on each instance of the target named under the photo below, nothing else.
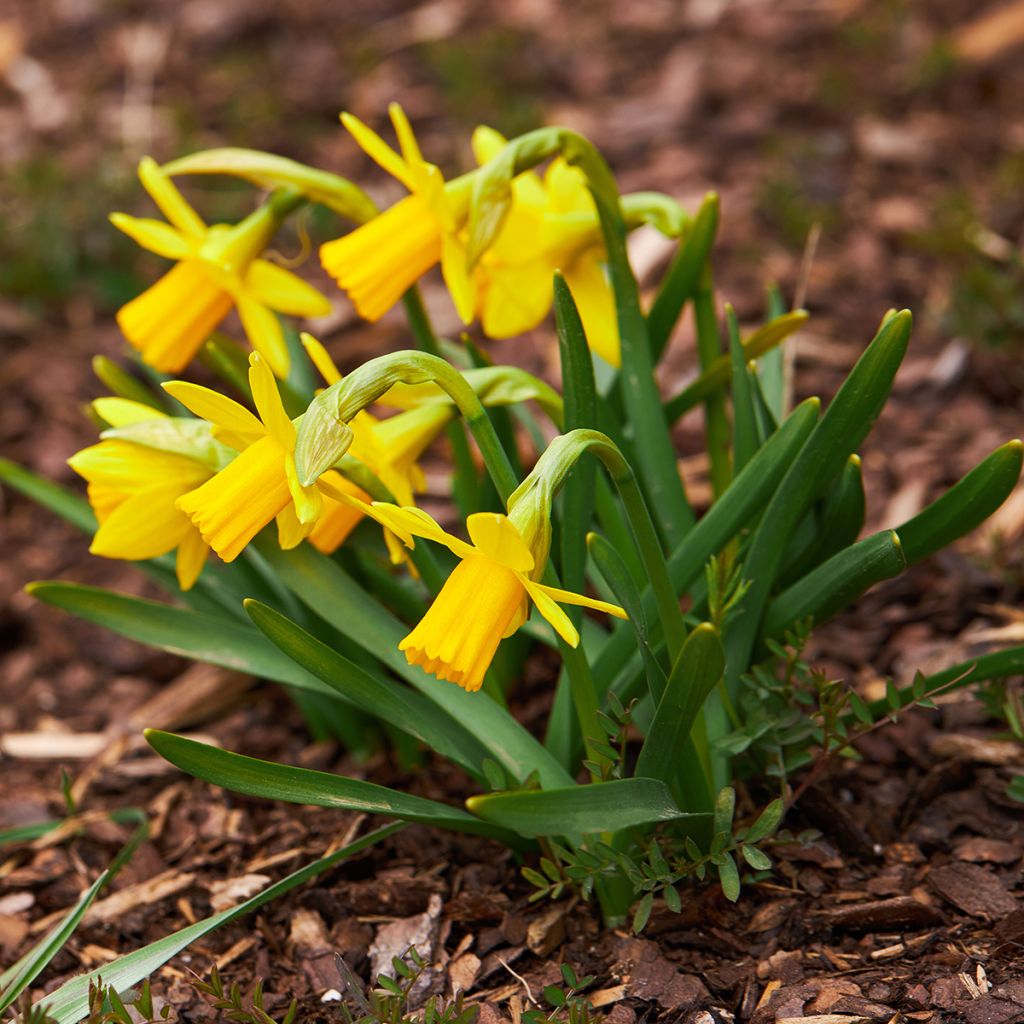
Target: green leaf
(846, 423)
(121, 383)
(837, 582)
(203, 637)
(680, 281)
(273, 781)
(770, 378)
(324, 587)
(767, 822)
(755, 858)
(643, 913)
(577, 810)
(725, 809)
(580, 393)
(744, 440)
(966, 505)
(395, 704)
(20, 975)
(729, 878)
(65, 503)
(717, 375)
(655, 453)
(70, 1003)
(697, 670)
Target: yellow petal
(320, 358)
(338, 518)
(377, 149)
(596, 303)
(154, 235)
(191, 557)
(561, 622)
(568, 597)
(130, 468)
(308, 501)
(267, 400)
(225, 414)
(457, 277)
(415, 522)
(515, 299)
(264, 332)
(171, 202)
(487, 143)
(494, 535)
(406, 139)
(122, 412)
(284, 291)
(290, 531)
(143, 526)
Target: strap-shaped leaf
(845, 424)
(578, 810)
(390, 702)
(324, 587)
(65, 503)
(273, 781)
(697, 670)
(203, 637)
(680, 281)
(835, 583)
(20, 975)
(70, 1002)
(966, 505)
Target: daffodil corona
(133, 490)
(552, 224)
(219, 267)
(378, 261)
(485, 599)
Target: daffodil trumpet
(485, 599)
(218, 267)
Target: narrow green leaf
(273, 781)
(324, 587)
(578, 810)
(70, 1003)
(643, 913)
(716, 376)
(966, 505)
(203, 637)
(697, 670)
(709, 350)
(395, 704)
(121, 383)
(656, 457)
(65, 503)
(837, 582)
(771, 370)
(20, 975)
(680, 281)
(846, 423)
(744, 416)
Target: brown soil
(845, 114)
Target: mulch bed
(908, 906)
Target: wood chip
(883, 915)
(974, 890)
(227, 892)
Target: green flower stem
(465, 483)
(324, 435)
(551, 470)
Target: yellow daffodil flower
(485, 599)
(388, 448)
(552, 225)
(133, 490)
(260, 483)
(218, 268)
(378, 261)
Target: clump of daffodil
(487, 596)
(388, 448)
(134, 488)
(378, 261)
(552, 224)
(218, 267)
(260, 483)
